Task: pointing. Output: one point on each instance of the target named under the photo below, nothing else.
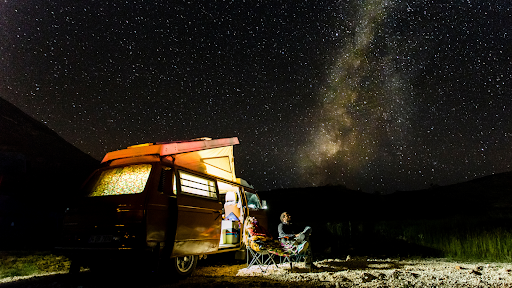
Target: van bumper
(88, 256)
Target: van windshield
(252, 200)
(121, 181)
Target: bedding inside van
(121, 181)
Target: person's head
(285, 217)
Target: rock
(396, 274)
(367, 277)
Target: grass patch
(21, 269)
(458, 238)
(19, 264)
(467, 239)
(492, 245)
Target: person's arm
(282, 233)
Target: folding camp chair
(257, 241)
(263, 259)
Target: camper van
(174, 202)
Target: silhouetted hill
(35, 161)
(40, 172)
(483, 196)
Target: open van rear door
(199, 215)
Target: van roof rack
(170, 148)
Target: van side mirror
(264, 204)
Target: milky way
(375, 95)
(362, 107)
(368, 130)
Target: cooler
(230, 232)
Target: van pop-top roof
(205, 155)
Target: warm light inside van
(197, 185)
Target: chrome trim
(87, 248)
(204, 239)
(200, 208)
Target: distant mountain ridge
(489, 195)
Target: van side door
(199, 215)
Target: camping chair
(258, 258)
(258, 242)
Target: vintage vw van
(176, 200)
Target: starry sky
(374, 95)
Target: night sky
(374, 95)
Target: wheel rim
(184, 264)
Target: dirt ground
(358, 272)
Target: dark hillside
(483, 195)
(488, 195)
(39, 173)
(35, 161)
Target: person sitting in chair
(287, 230)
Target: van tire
(184, 266)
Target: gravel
(374, 273)
(355, 272)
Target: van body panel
(198, 225)
(110, 226)
(160, 207)
(195, 247)
(156, 222)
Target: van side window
(193, 184)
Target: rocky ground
(364, 272)
(358, 272)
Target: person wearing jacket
(290, 232)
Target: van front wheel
(185, 265)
